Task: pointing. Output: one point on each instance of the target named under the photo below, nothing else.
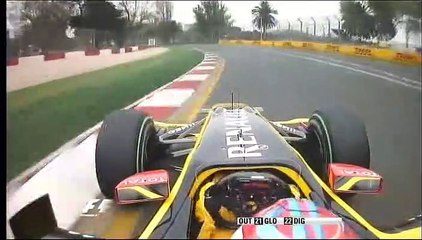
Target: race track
(387, 96)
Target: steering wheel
(244, 194)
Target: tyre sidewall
(121, 148)
(342, 136)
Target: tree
(234, 32)
(263, 17)
(385, 18)
(369, 19)
(409, 8)
(135, 11)
(166, 31)
(164, 10)
(44, 20)
(412, 25)
(212, 19)
(357, 22)
(409, 13)
(101, 16)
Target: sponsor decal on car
(95, 207)
(240, 140)
(144, 181)
(359, 173)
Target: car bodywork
(258, 146)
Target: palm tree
(263, 17)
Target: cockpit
(245, 193)
(228, 195)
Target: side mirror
(143, 187)
(35, 220)
(347, 178)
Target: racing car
(230, 174)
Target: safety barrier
(128, 49)
(351, 50)
(141, 47)
(53, 56)
(92, 52)
(115, 51)
(48, 56)
(12, 61)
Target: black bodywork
(212, 153)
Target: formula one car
(220, 175)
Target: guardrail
(368, 52)
(49, 56)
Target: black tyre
(338, 136)
(125, 144)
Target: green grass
(42, 118)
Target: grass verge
(42, 118)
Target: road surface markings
(186, 84)
(193, 77)
(365, 68)
(168, 98)
(205, 68)
(401, 82)
(81, 160)
(209, 61)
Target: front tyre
(338, 136)
(125, 145)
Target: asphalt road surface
(387, 96)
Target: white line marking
(207, 64)
(193, 77)
(410, 80)
(384, 72)
(68, 170)
(355, 70)
(16, 182)
(168, 98)
(364, 67)
(205, 68)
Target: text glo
(270, 220)
(255, 220)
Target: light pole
(329, 27)
(339, 27)
(313, 19)
(289, 24)
(301, 24)
(261, 27)
(339, 23)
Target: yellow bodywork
(209, 229)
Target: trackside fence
(411, 58)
